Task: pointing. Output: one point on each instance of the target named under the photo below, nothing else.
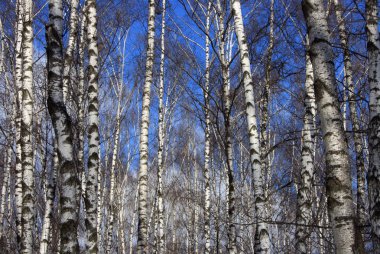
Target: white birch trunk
(161, 138)
(18, 81)
(6, 186)
(304, 196)
(262, 242)
(112, 203)
(142, 233)
(373, 177)
(264, 123)
(27, 219)
(70, 49)
(133, 224)
(48, 214)
(230, 199)
(206, 173)
(355, 123)
(93, 129)
(62, 128)
(338, 171)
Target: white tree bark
(340, 205)
(70, 48)
(112, 203)
(161, 138)
(48, 214)
(142, 233)
(230, 198)
(264, 123)
(206, 173)
(27, 219)
(18, 80)
(93, 129)
(304, 196)
(360, 170)
(6, 185)
(62, 128)
(373, 177)
(262, 242)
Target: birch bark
(62, 127)
(48, 214)
(142, 233)
(336, 149)
(112, 203)
(360, 170)
(18, 81)
(161, 138)
(207, 203)
(70, 48)
(262, 242)
(304, 196)
(93, 129)
(230, 199)
(373, 177)
(27, 219)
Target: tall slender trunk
(360, 171)
(121, 226)
(112, 203)
(142, 236)
(62, 127)
(206, 173)
(304, 195)
(264, 123)
(27, 220)
(230, 199)
(49, 206)
(161, 138)
(93, 129)
(18, 81)
(6, 184)
(336, 149)
(133, 224)
(262, 242)
(373, 177)
(68, 59)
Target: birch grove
(178, 126)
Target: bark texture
(262, 242)
(93, 129)
(373, 177)
(63, 131)
(206, 173)
(161, 137)
(142, 229)
(349, 83)
(305, 190)
(339, 196)
(27, 219)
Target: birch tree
(262, 242)
(93, 129)
(48, 215)
(304, 195)
(360, 170)
(63, 131)
(161, 139)
(142, 230)
(230, 194)
(206, 173)
(338, 171)
(27, 220)
(18, 81)
(373, 48)
(70, 49)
